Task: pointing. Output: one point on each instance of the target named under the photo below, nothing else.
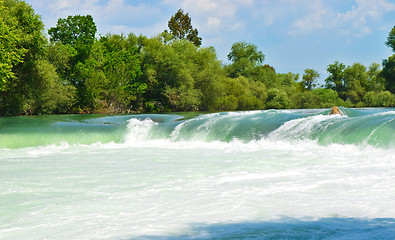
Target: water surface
(273, 174)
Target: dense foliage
(75, 72)
(180, 27)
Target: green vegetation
(181, 28)
(75, 72)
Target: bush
(277, 99)
(381, 99)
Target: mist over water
(274, 174)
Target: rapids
(272, 174)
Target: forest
(71, 70)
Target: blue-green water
(359, 127)
(273, 174)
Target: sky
(293, 34)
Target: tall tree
(180, 26)
(356, 80)
(389, 64)
(10, 53)
(122, 69)
(391, 39)
(26, 44)
(77, 32)
(375, 80)
(245, 59)
(336, 80)
(389, 73)
(241, 50)
(310, 78)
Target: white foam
(146, 188)
(47, 150)
(384, 113)
(139, 130)
(149, 188)
(303, 127)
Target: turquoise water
(273, 174)
(367, 127)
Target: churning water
(274, 174)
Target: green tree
(10, 53)
(54, 96)
(111, 75)
(92, 81)
(77, 31)
(123, 69)
(310, 78)
(180, 26)
(267, 75)
(246, 58)
(389, 73)
(335, 80)
(382, 99)
(389, 64)
(375, 80)
(277, 99)
(328, 98)
(391, 39)
(181, 91)
(259, 93)
(209, 75)
(244, 50)
(356, 82)
(174, 74)
(61, 56)
(287, 80)
(240, 94)
(309, 99)
(25, 32)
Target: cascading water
(273, 174)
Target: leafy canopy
(77, 31)
(391, 39)
(246, 58)
(22, 44)
(244, 50)
(335, 80)
(10, 54)
(310, 78)
(389, 73)
(180, 26)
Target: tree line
(75, 72)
